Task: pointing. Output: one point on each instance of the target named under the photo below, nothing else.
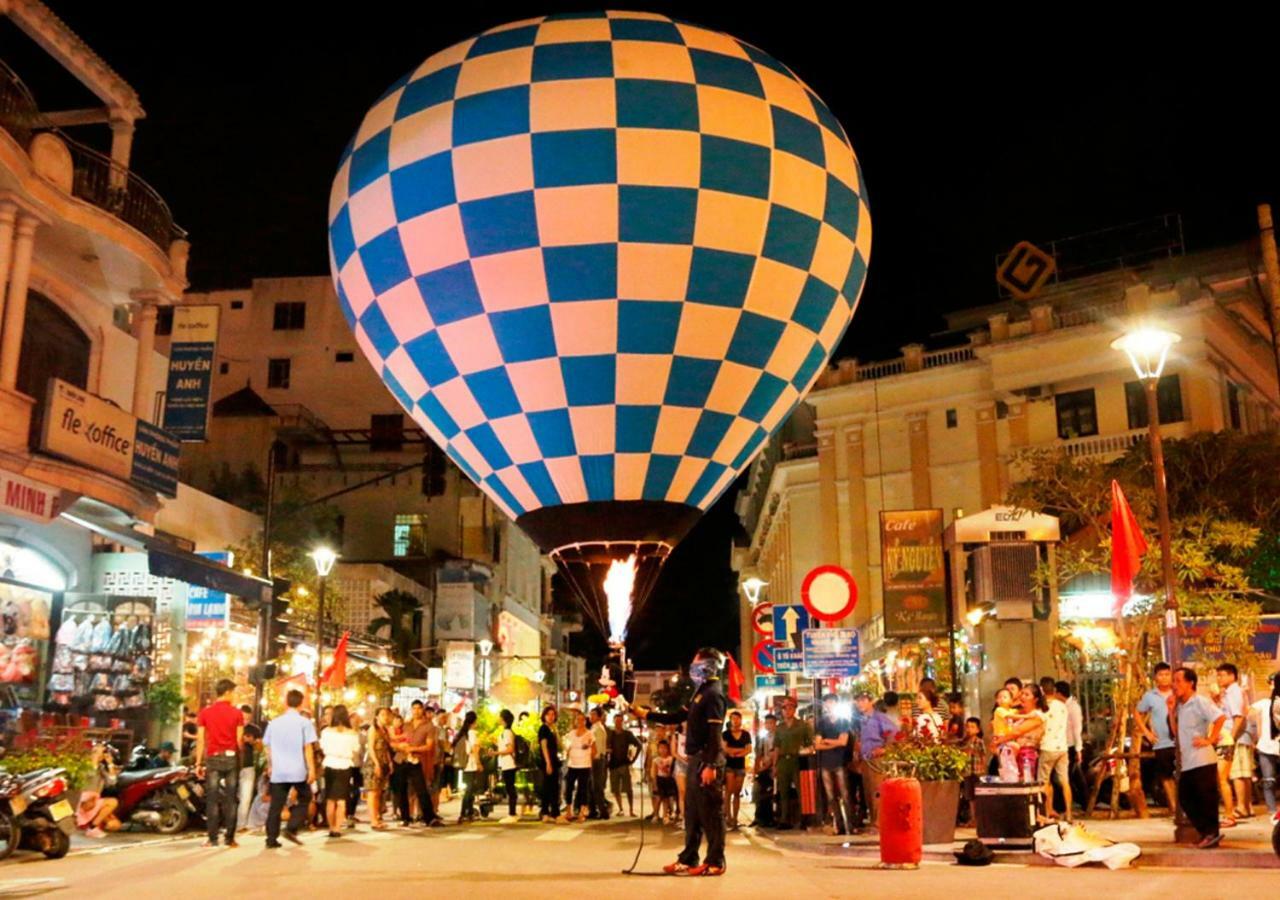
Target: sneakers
(99, 833)
(508, 820)
(677, 868)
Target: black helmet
(707, 663)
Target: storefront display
(103, 655)
(24, 632)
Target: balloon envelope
(599, 258)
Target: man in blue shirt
(1197, 725)
(1153, 720)
(879, 729)
(291, 763)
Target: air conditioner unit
(1004, 577)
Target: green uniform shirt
(789, 739)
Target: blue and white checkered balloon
(599, 257)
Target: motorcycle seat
(130, 777)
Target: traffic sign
(762, 656)
(786, 659)
(762, 619)
(829, 593)
(788, 623)
(831, 653)
(771, 683)
(1025, 270)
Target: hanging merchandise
(24, 631)
(102, 658)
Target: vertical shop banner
(191, 354)
(460, 666)
(913, 573)
(87, 429)
(206, 607)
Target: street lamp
(324, 558)
(1148, 349)
(751, 587)
(486, 647)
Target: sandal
(713, 871)
(676, 868)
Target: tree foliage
(402, 620)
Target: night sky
(1032, 130)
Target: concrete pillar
(828, 501)
(1019, 437)
(857, 488)
(1137, 298)
(913, 357)
(921, 485)
(142, 364)
(15, 309)
(1041, 318)
(998, 325)
(8, 217)
(988, 453)
(121, 149)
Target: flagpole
(1172, 623)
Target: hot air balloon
(599, 258)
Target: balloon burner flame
(618, 586)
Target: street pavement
(533, 860)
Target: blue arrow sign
(789, 622)
(831, 653)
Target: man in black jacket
(704, 799)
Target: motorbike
(163, 800)
(35, 813)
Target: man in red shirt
(218, 742)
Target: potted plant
(939, 768)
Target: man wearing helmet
(704, 802)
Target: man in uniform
(704, 799)
(793, 736)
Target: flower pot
(941, 803)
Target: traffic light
(433, 472)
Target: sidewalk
(1247, 846)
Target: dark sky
(972, 135)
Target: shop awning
(166, 560)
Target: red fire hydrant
(901, 823)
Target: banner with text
(913, 573)
(87, 429)
(207, 607)
(191, 354)
(29, 499)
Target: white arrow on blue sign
(789, 622)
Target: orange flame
(618, 585)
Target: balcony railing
(1103, 445)
(97, 179)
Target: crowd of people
(1205, 749)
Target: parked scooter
(159, 799)
(35, 813)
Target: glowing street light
(1148, 349)
(324, 558)
(751, 587)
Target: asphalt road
(531, 860)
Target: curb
(1165, 857)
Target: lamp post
(486, 647)
(1148, 349)
(752, 587)
(324, 558)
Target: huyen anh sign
(87, 429)
(191, 354)
(913, 573)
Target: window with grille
(410, 535)
(1077, 414)
(386, 433)
(290, 316)
(278, 373)
(1168, 401)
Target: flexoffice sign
(191, 354)
(87, 429)
(913, 573)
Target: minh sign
(87, 429)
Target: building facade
(288, 375)
(942, 429)
(90, 258)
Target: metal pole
(1172, 623)
(319, 643)
(951, 627)
(264, 612)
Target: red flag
(336, 675)
(734, 679)
(1128, 546)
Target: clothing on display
(102, 657)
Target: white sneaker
(508, 820)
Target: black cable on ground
(644, 768)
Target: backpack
(524, 756)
